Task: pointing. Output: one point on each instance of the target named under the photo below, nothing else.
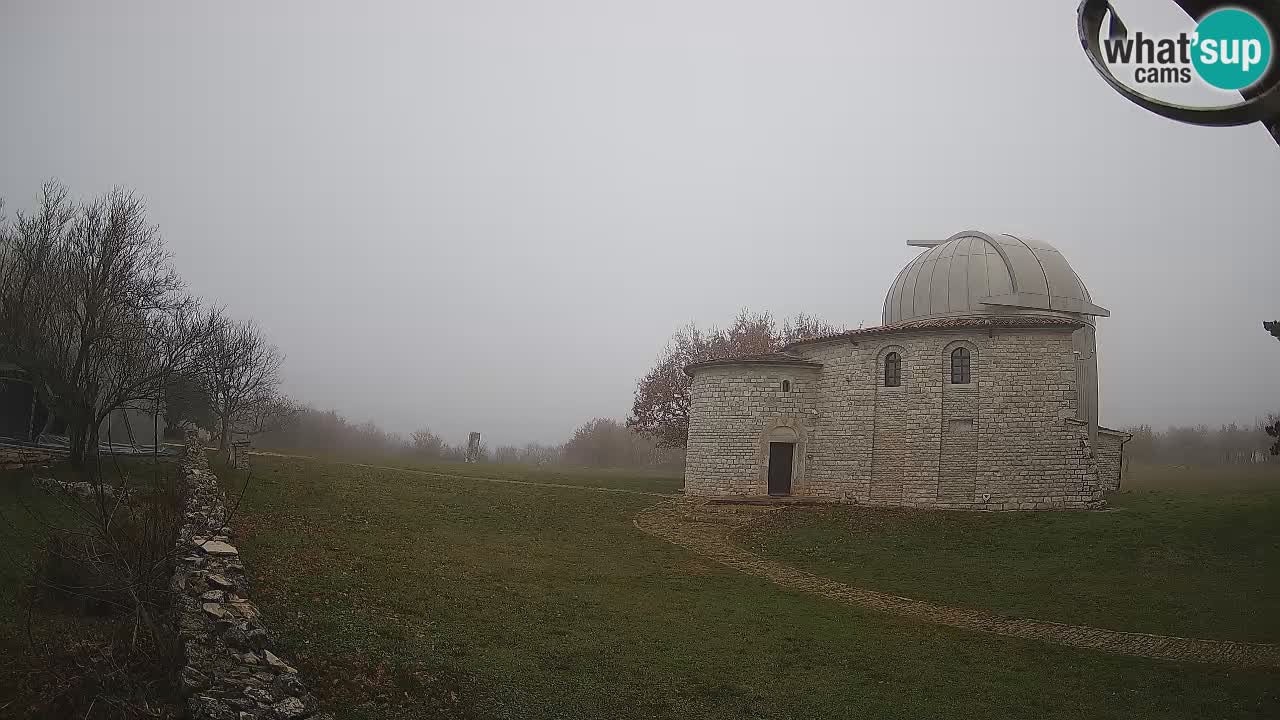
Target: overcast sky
(491, 215)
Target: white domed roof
(976, 273)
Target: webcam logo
(1230, 49)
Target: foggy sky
(491, 215)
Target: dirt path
(709, 536)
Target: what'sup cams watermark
(1230, 49)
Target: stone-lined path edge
(672, 521)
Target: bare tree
(311, 429)
(427, 444)
(92, 310)
(661, 406)
(607, 443)
(241, 372)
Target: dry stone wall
(1006, 441)
(231, 671)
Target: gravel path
(707, 533)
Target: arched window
(960, 366)
(892, 370)
(786, 386)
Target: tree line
(597, 443)
(1230, 444)
(96, 317)
(94, 314)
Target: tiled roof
(956, 323)
(771, 358)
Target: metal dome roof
(976, 273)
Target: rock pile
(81, 489)
(230, 671)
(19, 458)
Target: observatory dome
(974, 273)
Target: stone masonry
(231, 671)
(875, 415)
(1009, 440)
(1110, 457)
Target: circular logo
(1233, 49)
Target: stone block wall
(960, 453)
(1110, 456)
(1005, 441)
(733, 409)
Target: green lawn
(642, 480)
(1199, 560)
(404, 594)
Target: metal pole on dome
(1261, 102)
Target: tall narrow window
(786, 386)
(892, 370)
(960, 366)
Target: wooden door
(780, 457)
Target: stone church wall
(1007, 441)
(733, 409)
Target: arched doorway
(782, 454)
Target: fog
(491, 215)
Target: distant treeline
(607, 443)
(327, 431)
(599, 443)
(1200, 445)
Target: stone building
(979, 391)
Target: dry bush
(97, 641)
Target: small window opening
(892, 370)
(786, 386)
(960, 365)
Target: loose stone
(219, 582)
(218, 547)
(289, 709)
(276, 663)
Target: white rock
(218, 547)
(220, 582)
(276, 663)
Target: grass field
(403, 594)
(639, 480)
(1199, 560)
